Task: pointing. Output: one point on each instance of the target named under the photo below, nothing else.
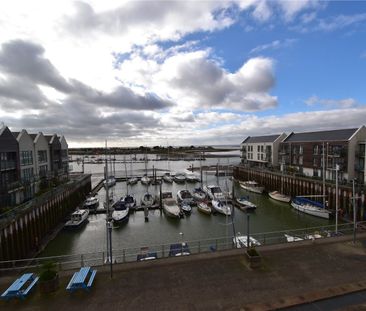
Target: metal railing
(75, 261)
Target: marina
(161, 228)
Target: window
(26, 157)
(27, 174)
(261, 156)
(7, 160)
(257, 156)
(316, 149)
(300, 149)
(258, 148)
(43, 170)
(300, 160)
(42, 156)
(261, 148)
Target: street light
(336, 224)
(181, 244)
(109, 226)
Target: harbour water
(268, 217)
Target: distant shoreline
(151, 150)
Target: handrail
(129, 254)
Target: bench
(18, 290)
(79, 279)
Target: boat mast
(323, 175)
(124, 160)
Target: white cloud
(331, 103)
(274, 45)
(292, 8)
(194, 80)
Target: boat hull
(279, 197)
(311, 210)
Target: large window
(27, 174)
(26, 157)
(43, 170)
(42, 156)
(7, 160)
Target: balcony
(11, 187)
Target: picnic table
(82, 279)
(21, 287)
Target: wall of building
(360, 135)
(22, 236)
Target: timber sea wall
(26, 228)
(297, 186)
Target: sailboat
(129, 199)
(279, 196)
(310, 207)
(145, 180)
(132, 180)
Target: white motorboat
(184, 196)
(120, 212)
(170, 206)
(167, 178)
(130, 201)
(147, 200)
(313, 236)
(132, 181)
(198, 194)
(310, 207)
(91, 203)
(204, 208)
(240, 241)
(221, 207)
(110, 181)
(214, 192)
(145, 180)
(78, 218)
(245, 205)
(192, 178)
(252, 186)
(276, 195)
(292, 238)
(180, 178)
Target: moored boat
(145, 255)
(310, 207)
(120, 212)
(145, 180)
(132, 181)
(221, 207)
(179, 178)
(91, 203)
(130, 201)
(198, 194)
(78, 218)
(276, 195)
(110, 181)
(192, 178)
(147, 200)
(251, 185)
(170, 206)
(245, 205)
(184, 196)
(240, 241)
(186, 208)
(214, 192)
(204, 208)
(167, 178)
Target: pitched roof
(15, 134)
(33, 136)
(261, 139)
(333, 135)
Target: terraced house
(26, 160)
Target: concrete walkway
(291, 274)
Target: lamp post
(248, 238)
(336, 224)
(181, 244)
(354, 210)
(109, 226)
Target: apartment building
(261, 150)
(312, 153)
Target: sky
(181, 72)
